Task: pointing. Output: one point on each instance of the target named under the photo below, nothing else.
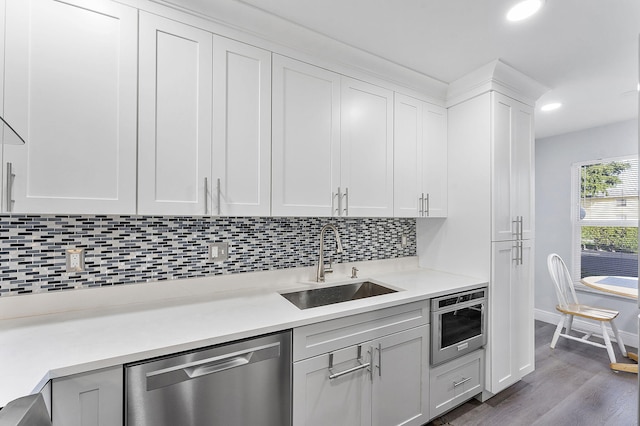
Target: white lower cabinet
(455, 382)
(378, 381)
(89, 399)
(510, 346)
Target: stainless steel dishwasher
(242, 383)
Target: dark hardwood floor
(572, 385)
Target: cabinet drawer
(327, 336)
(455, 382)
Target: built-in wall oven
(458, 324)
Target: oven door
(458, 330)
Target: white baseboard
(630, 339)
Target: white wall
(554, 157)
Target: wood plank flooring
(572, 385)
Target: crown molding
(497, 76)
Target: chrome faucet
(320, 271)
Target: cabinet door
(70, 91)
(341, 401)
(175, 110)
(434, 160)
(522, 171)
(510, 349)
(306, 139)
(407, 157)
(366, 149)
(524, 316)
(512, 179)
(400, 393)
(242, 129)
(89, 399)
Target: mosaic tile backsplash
(142, 249)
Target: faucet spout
(320, 270)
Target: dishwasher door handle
(193, 370)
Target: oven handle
(459, 306)
(193, 370)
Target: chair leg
(618, 339)
(569, 323)
(558, 330)
(607, 342)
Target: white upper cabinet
(420, 158)
(205, 122)
(70, 91)
(241, 129)
(366, 148)
(434, 160)
(407, 143)
(306, 139)
(175, 114)
(512, 172)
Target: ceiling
(585, 51)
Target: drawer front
(315, 339)
(455, 382)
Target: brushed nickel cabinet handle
(427, 207)
(10, 177)
(218, 189)
(206, 195)
(346, 201)
(338, 210)
(463, 381)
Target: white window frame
(577, 224)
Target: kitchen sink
(322, 296)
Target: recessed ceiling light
(550, 107)
(524, 9)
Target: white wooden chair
(569, 307)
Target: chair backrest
(562, 280)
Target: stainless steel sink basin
(321, 296)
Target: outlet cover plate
(218, 252)
(75, 260)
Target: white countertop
(120, 326)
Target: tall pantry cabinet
(490, 226)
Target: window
(605, 218)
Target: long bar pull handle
(206, 195)
(521, 227)
(461, 382)
(192, 370)
(350, 370)
(218, 190)
(346, 201)
(379, 359)
(361, 366)
(421, 206)
(521, 252)
(333, 197)
(427, 207)
(10, 176)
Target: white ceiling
(585, 51)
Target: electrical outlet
(75, 260)
(218, 252)
(403, 240)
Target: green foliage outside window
(620, 239)
(597, 179)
